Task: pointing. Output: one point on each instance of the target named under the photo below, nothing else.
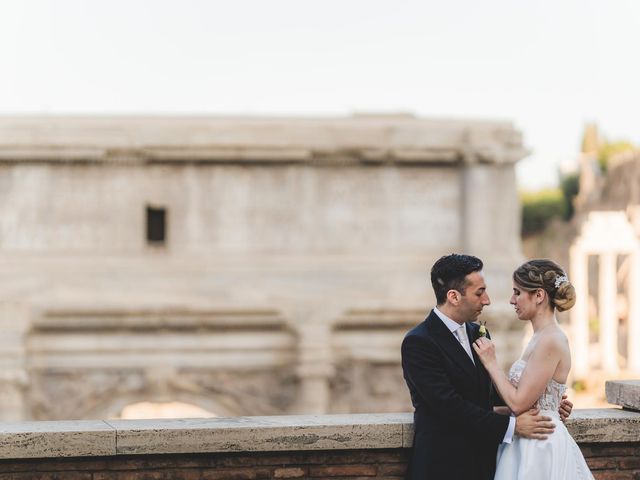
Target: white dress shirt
(454, 326)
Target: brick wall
(613, 461)
(341, 464)
(610, 461)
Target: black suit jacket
(456, 431)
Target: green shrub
(539, 208)
(570, 185)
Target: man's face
(475, 297)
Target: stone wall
(242, 209)
(292, 247)
(332, 446)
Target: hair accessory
(560, 280)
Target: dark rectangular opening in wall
(156, 225)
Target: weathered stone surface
(408, 432)
(604, 425)
(625, 393)
(56, 439)
(260, 434)
(372, 138)
(275, 433)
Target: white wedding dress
(556, 458)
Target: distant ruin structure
(605, 268)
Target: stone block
(254, 434)
(604, 425)
(408, 432)
(56, 439)
(625, 393)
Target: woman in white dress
(539, 378)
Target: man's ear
(453, 296)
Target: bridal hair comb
(560, 280)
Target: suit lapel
(483, 376)
(451, 345)
(472, 335)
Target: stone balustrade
(306, 446)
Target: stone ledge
(254, 434)
(56, 439)
(602, 425)
(625, 393)
(399, 139)
(259, 434)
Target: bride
(538, 378)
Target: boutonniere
(483, 329)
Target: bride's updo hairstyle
(548, 276)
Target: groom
(456, 430)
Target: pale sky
(549, 66)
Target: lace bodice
(552, 395)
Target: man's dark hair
(449, 273)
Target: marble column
(580, 312)
(315, 368)
(607, 311)
(490, 226)
(633, 330)
(14, 323)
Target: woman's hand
(486, 351)
(565, 408)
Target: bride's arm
(540, 368)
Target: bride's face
(524, 302)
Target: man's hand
(531, 425)
(565, 408)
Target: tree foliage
(609, 149)
(539, 208)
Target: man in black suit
(457, 431)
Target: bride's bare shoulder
(554, 339)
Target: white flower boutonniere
(483, 329)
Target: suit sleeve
(422, 364)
